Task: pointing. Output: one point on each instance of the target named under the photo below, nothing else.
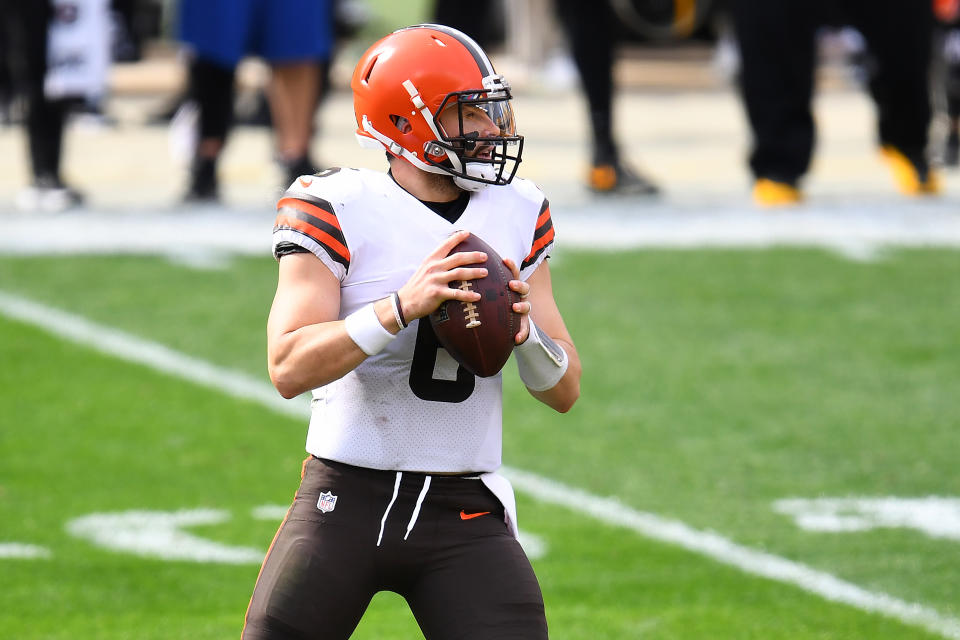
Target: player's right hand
(429, 286)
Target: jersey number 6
(422, 382)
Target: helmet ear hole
(402, 124)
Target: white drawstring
(383, 521)
(416, 509)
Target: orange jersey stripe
(544, 216)
(312, 209)
(319, 235)
(543, 241)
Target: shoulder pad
(528, 190)
(335, 185)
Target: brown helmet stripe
(483, 62)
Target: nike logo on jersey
(470, 516)
(306, 183)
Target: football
(479, 335)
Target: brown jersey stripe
(538, 247)
(314, 206)
(330, 244)
(544, 228)
(318, 214)
(544, 214)
(322, 224)
(542, 237)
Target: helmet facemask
(473, 160)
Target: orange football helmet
(405, 80)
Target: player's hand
(430, 284)
(523, 307)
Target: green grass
(715, 382)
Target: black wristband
(395, 297)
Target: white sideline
(607, 510)
(856, 227)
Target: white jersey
(410, 407)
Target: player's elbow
(288, 393)
(283, 381)
(561, 397)
(565, 402)
(285, 389)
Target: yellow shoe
(771, 193)
(910, 179)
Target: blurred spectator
(592, 34)
(947, 13)
(57, 53)
(777, 45)
(482, 21)
(6, 79)
(294, 36)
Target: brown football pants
(438, 541)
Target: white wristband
(363, 326)
(540, 360)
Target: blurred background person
(592, 34)
(947, 13)
(777, 71)
(294, 36)
(57, 55)
(482, 20)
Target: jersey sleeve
(542, 241)
(311, 222)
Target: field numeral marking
(160, 534)
(936, 517)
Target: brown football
(479, 335)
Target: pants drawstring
(383, 521)
(416, 509)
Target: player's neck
(422, 185)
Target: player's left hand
(523, 307)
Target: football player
(400, 491)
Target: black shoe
(619, 179)
(203, 182)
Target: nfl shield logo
(327, 502)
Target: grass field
(716, 384)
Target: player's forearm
(562, 396)
(317, 354)
(312, 356)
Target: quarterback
(400, 491)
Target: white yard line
(713, 545)
(607, 510)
